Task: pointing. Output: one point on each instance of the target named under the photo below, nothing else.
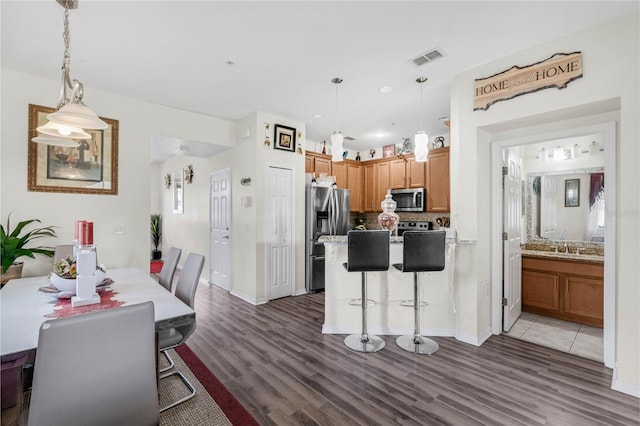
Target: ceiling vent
(349, 138)
(430, 56)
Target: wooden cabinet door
(308, 164)
(416, 174)
(438, 181)
(339, 170)
(382, 184)
(322, 165)
(397, 174)
(369, 187)
(355, 186)
(540, 290)
(584, 296)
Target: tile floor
(578, 339)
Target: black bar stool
(422, 251)
(366, 251)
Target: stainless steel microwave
(409, 200)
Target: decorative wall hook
(167, 180)
(188, 174)
(267, 143)
(245, 181)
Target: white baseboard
(247, 298)
(300, 292)
(474, 340)
(624, 387)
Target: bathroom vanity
(564, 286)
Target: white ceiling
(285, 54)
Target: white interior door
(512, 220)
(279, 238)
(220, 273)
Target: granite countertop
(342, 239)
(563, 256)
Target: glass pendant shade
(55, 140)
(77, 115)
(336, 147)
(57, 130)
(421, 140)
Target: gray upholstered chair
(62, 252)
(186, 291)
(169, 267)
(97, 369)
(422, 251)
(367, 251)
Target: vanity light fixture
(576, 151)
(71, 115)
(336, 138)
(421, 139)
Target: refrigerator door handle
(332, 212)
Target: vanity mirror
(549, 216)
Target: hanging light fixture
(71, 115)
(336, 138)
(421, 139)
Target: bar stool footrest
(372, 344)
(358, 302)
(409, 303)
(425, 347)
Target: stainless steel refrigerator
(327, 213)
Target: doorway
(279, 237)
(498, 254)
(220, 220)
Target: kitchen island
(392, 290)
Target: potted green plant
(13, 245)
(156, 235)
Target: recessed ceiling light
(318, 116)
(378, 134)
(385, 89)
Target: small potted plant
(13, 245)
(156, 235)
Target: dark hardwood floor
(280, 366)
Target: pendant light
(71, 116)
(421, 139)
(336, 138)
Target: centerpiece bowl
(63, 284)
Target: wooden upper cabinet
(369, 187)
(382, 178)
(397, 174)
(322, 165)
(317, 163)
(339, 170)
(438, 180)
(308, 164)
(416, 174)
(355, 185)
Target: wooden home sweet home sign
(557, 71)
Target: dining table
(26, 303)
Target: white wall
(251, 159)
(610, 57)
(189, 230)
(131, 207)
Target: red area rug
(235, 412)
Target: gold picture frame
(92, 168)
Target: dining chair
(167, 339)
(97, 369)
(62, 251)
(169, 267)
